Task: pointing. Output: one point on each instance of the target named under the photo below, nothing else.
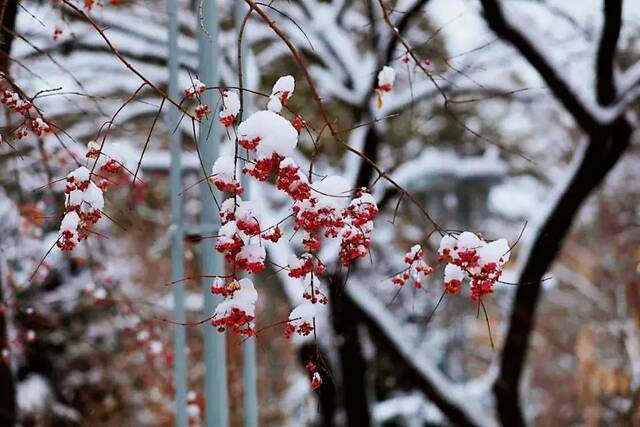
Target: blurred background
(485, 141)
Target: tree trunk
(7, 386)
(8, 11)
(345, 322)
(602, 154)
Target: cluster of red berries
(292, 181)
(235, 322)
(15, 103)
(237, 312)
(84, 200)
(202, 111)
(316, 379)
(471, 257)
(303, 329)
(417, 270)
(57, 32)
(325, 209)
(468, 257)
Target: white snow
(92, 198)
(282, 85)
(253, 253)
(70, 222)
(497, 252)
(333, 191)
(386, 78)
(224, 168)
(80, 174)
(453, 272)
(34, 393)
(304, 313)
(277, 135)
(248, 211)
(274, 104)
(243, 299)
(230, 104)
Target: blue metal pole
(249, 371)
(250, 383)
(177, 238)
(217, 412)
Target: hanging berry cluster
(386, 79)
(326, 209)
(468, 256)
(84, 199)
(23, 107)
(194, 91)
(417, 270)
(471, 257)
(316, 379)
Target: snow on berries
(417, 271)
(273, 234)
(300, 267)
(453, 277)
(386, 79)
(237, 312)
(78, 179)
(324, 209)
(197, 88)
(223, 175)
(84, 203)
(228, 209)
(248, 218)
(471, 257)
(270, 138)
(108, 163)
(316, 381)
(220, 287)
(363, 208)
(93, 150)
(229, 241)
(251, 258)
(269, 134)
(68, 238)
(230, 108)
(202, 111)
(84, 198)
(13, 101)
(280, 93)
(301, 320)
(292, 180)
(39, 127)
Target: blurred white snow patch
(124, 152)
(298, 402)
(517, 197)
(435, 165)
(411, 410)
(193, 302)
(34, 393)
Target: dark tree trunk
(607, 143)
(345, 321)
(8, 10)
(7, 386)
(602, 154)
